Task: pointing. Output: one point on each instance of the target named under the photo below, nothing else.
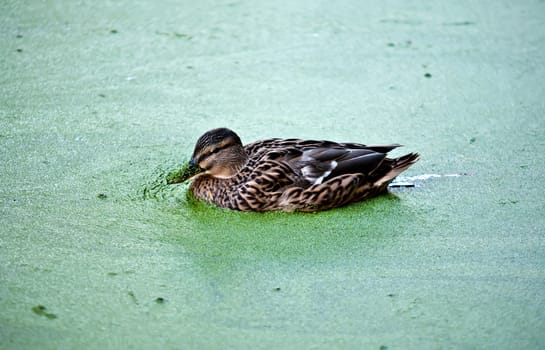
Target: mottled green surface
(99, 101)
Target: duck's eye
(215, 150)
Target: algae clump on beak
(184, 173)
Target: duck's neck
(212, 189)
(214, 184)
(231, 164)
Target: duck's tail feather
(397, 166)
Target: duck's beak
(185, 173)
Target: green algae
(42, 311)
(98, 108)
(158, 184)
(182, 174)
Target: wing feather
(319, 161)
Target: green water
(99, 101)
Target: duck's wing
(317, 161)
(319, 164)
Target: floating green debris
(131, 294)
(461, 23)
(508, 201)
(175, 35)
(42, 311)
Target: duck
(288, 174)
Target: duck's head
(218, 153)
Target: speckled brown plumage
(290, 174)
